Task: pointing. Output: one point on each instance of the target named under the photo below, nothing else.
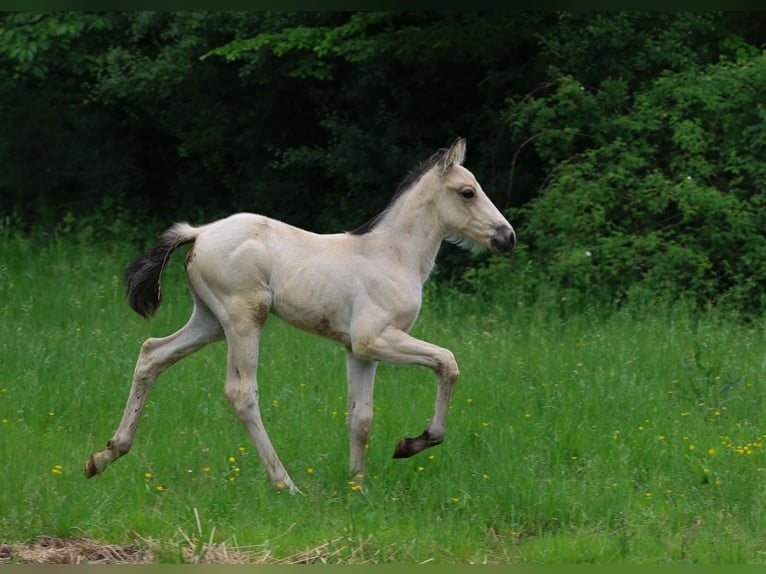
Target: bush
(664, 196)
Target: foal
(362, 289)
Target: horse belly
(313, 301)
(321, 319)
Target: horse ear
(454, 156)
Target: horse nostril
(503, 240)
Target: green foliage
(624, 145)
(38, 43)
(401, 76)
(633, 46)
(654, 194)
(215, 112)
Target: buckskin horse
(361, 288)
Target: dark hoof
(406, 448)
(409, 446)
(91, 468)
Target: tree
(389, 87)
(195, 115)
(314, 117)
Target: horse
(361, 288)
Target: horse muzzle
(503, 240)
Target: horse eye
(468, 193)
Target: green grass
(635, 437)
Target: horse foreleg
(397, 347)
(361, 380)
(156, 355)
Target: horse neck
(412, 228)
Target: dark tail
(142, 277)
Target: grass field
(635, 437)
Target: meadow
(634, 436)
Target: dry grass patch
(64, 551)
(50, 550)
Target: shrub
(663, 196)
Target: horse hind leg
(155, 357)
(243, 336)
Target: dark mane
(412, 178)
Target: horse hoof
(91, 467)
(406, 448)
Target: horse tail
(143, 276)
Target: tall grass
(635, 436)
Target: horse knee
(359, 425)
(446, 367)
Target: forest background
(626, 147)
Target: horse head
(464, 209)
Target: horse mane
(406, 184)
